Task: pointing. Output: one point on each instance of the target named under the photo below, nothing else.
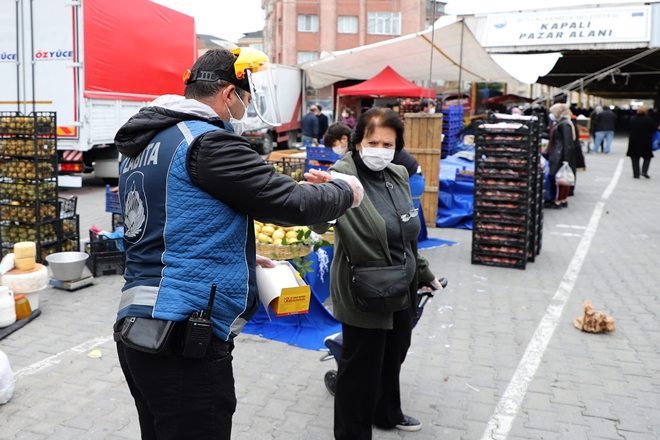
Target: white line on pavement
(566, 234)
(57, 358)
(507, 408)
(572, 226)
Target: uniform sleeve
(226, 167)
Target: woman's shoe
(409, 424)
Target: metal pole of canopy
(460, 62)
(433, 5)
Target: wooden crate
(422, 139)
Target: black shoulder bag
(380, 289)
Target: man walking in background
(323, 121)
(310, 126)
(605, 124)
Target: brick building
(298, 31)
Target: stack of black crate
(506, 197)
(534, 122)
(30, 209)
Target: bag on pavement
(565, 175)
(6, 379)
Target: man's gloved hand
(356, 186)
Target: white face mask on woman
(339, 150)
(376, 159)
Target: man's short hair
(218, 68)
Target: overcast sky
(230, 19)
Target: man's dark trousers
(182, 398)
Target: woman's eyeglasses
(410, 214)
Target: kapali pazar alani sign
(578, 26)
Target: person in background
(337, 138)
(560, 148)
(605, 124)
(427, 106)
(592, 127)
(381, 232)
(348, 118)
(323, 121)
(189, 188)
(642, 129)
(310, 126)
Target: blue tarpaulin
(308, 331)
(304, 331)
(456, 197)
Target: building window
(347, 24)
(308, 23)
(384, 23)
(304, 57)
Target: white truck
(288, 82)
(95, 63)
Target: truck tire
(267, 146)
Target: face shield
(254, 65)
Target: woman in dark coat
(642, 128)
(560, 149)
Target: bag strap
(389, 187)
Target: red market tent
(387, 83)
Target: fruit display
(26, 169)
(13, 191)
(282, 243)
(28, 214)
(30, 209)
(269, 233)
(40, 124)
(28, 147)
(13, 234)
(69, 227)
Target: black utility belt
(189, 338)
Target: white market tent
(456, 53)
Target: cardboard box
(283, 289)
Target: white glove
(356, 186)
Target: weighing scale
(86, 279)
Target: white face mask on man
(238, 124)
(376, 159)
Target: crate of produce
(294, 167)
(112, 200)
(17, 191)
(28, 213)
